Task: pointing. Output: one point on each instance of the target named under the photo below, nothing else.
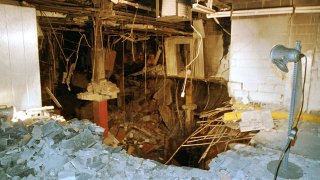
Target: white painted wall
(253, 78)
(19, 69)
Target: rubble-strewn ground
(49, 150)
(59, 150)
(308, 138)
(247, 162)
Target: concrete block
(36, 132)
(250, 86)
(19, 170)
(235, 85)
(279, 79)
(306, 29)
(51, 129)
(66, 175)
(240, 96)
(249, 75)
(251, 63)
(238, 6)
(302, 19)
(263, 97)
(273, 88)
(3, 142)
(306, 2)
(286, 2)
(81, 141)
(254, 4)
(54, 163)
(315, 19)
(240, 93)
(271, 3)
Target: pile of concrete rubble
(59, 150)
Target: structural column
(100, 115)
(189, 107)
(100, 108)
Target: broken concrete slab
(83, 140)
(256, 120)
(66, 175)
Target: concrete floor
(247, 162)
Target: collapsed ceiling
(119, 16)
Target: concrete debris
(111, 140)
(246, 162)
(35, 113)
(256, 120)
(100, 91)
(75, 151)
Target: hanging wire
(66, 60)
(190, 63)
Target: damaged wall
(216, 49)
(19, 69)
(253, 78)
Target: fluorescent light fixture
(202, 9)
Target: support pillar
(189, 107)
(189, 121)
(100, 115)
(100, 108)
(99, 89)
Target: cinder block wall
(254, 4)
(253, 78)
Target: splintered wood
(212, 131)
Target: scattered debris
(54, 99)
(247, 162)
(211, 132)
(100, 91)
(36, 113)
(50, 150)
(111, 140)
